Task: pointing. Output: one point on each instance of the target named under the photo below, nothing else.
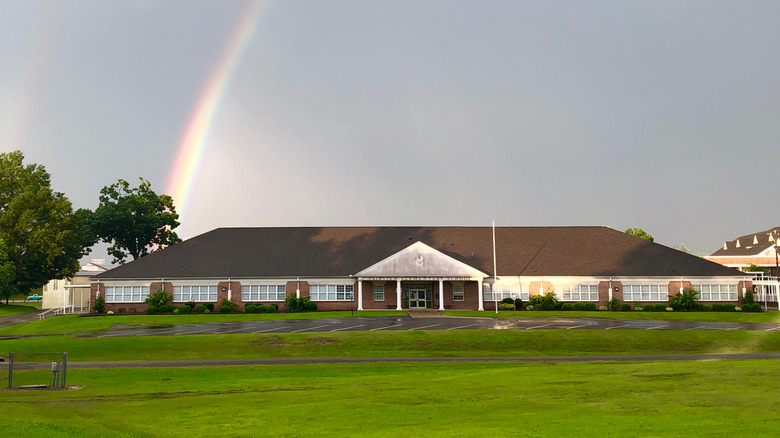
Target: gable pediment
(420, 260)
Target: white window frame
(127, 294)
(577, 292)
(717, 292)
(263, 292)
(210, 293)
(505, 289)
(379, 292)
(457, 293)
(332, 292)
(646, 292)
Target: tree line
(43, 238)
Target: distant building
(757, 248)
(343, 268)
(72, 291)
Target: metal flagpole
(495, 275)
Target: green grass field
(418, 343)
(772, 316)
(15, 309)
(92, 324)
(696, 398)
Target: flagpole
(495, 275)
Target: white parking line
(773, 329)
(578, 326)
(617, 327)
(347, 328)
(656, 327)
(307, 329)
(462, 326)
(734, 328)
(424, 327)
(269, 330)
(538, 326)
(697, 328)
(388, 327)
(232, 331)
(196, 331)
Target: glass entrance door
(417, 299)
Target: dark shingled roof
(344, 251)
(746, 245)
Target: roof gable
(420, 260)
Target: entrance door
(417, 298)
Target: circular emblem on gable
(420, 260)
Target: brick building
(344, 268)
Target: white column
(360, 294)
(441, 294)
(398, 294)
(479, 293)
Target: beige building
(72, 292)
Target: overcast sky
(663, 115)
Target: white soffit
(420, 260)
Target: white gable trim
(419, 260)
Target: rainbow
(195, 137)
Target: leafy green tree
(755, 268)
(41, 238)
(135, 220)
(638, 232)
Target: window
(457, 292)
(331, 292)
(274, 292)
(504, 290)
(379, 293)
(645, 292)
(126, 294)
(717, 292)
(578, 292)
(182, 294)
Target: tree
(41, 238)
(755, 268)
(136, 221)
(638, 232)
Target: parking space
(406, 323)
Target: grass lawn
(15, 309)
(80, 324)
(772, 316)
(418, 343)
(696, 398)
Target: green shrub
(272, 308)
(706, 308)
(737, 309)
(590, 306)
(648, 308)
(684, 300)
(603, 308)
(227, 306)
(508, 301)
(100, 304)
(151, 310)
(209, 306)
(697, 307)
(579, 306)
(637, 307)
(614, 304)
(545, 302)
(201, 308)
(755, 307)
(625, 307)
(250, 308)
(728, 307)
(506, 306)
(191, 304)
(184, 308)
(660, 307)
(518, 304)
(158, 299)
(567, 306)
(717, 307)
(529, 307)
(748, 298)
(303, 304)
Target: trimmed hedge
(567, 306)
(625, 307)
(660, 307)
(579, 306)
(590, 306)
